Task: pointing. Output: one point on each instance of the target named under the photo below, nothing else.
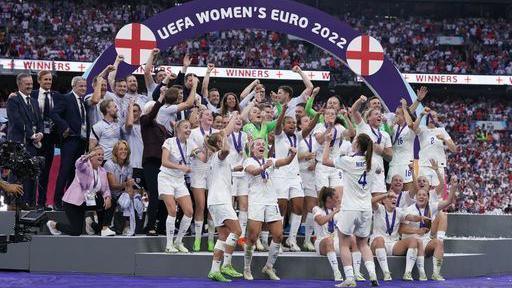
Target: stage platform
(141, 255)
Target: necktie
(82, 109)
(46, 108)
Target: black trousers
(47, 151)
(72, 149)
(76, 215)
(156, 207)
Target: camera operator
(26, 127)
(88, 191)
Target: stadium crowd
(80, 31)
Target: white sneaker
(181, 248)
(248, 275)
(171, 249)
(88, 226)
(271, 273)
(387, 276)
(359, 277)
(337, 276)
(259, 245)
(293, 245)
(308, 246)
(52, 227)
(349, 282)
(107, 232)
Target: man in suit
(46, 99)
(71, 118)
(26, 127)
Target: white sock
(248, 257)
(211, 229)
(441, 235)
(308, 227)
(198, 229)
(184, 225)
(333, 261)
(436, 265)
(215, 266)
(349, 272)
(264, 237)
(227, 259)
(356, 261)
(370, 267)
(410, 259)
(231, 239)
(295, 220)
(420, 264)
(273, 252)
(383, 259)
(170, 224)
(242, 218)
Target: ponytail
(212, 141)
(365, 144)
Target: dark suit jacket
(66, 114)
(153, 134)
(22, 120)
(55, 96)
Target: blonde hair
(115, 150)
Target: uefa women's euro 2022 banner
(361, 53)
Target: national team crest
(365, 55)
(135, 41)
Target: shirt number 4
(362, 180)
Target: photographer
(88, 191)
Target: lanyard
(425, 213)
(263, 173)
(309, 144)
(202, 130)
(398, 132)
(292, 140)
(238, 145)
(334, 136)
(378, 135)
(181, 152)
(330, 224)
(398, 200)
(389, 229)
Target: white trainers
(271, 273)
(171, 249)
(308, 246)
(259, 246)
(349, 282)
(181, 248)
(88, 226)
(387, 276)
(337, 276)
(293, 245)
(52, 227)
(248, 275)
(107, 232)
(359, 277)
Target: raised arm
(231, 124)
(186, 64)
(191, 97)
(416, 126)
(448, 142)
(206, 80)
(96, 94)
(280, 121)
(129, 118)
(306, 80)
(224, 152)
(451, 195)
(407, 116)
(249, 88)
(420, 95)
(327, 146)
(246, 110)
(311, 126)
(112, 74)
(148, 77)
(435, 166)
(377, 199)
(413, 188)
(354, 110)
